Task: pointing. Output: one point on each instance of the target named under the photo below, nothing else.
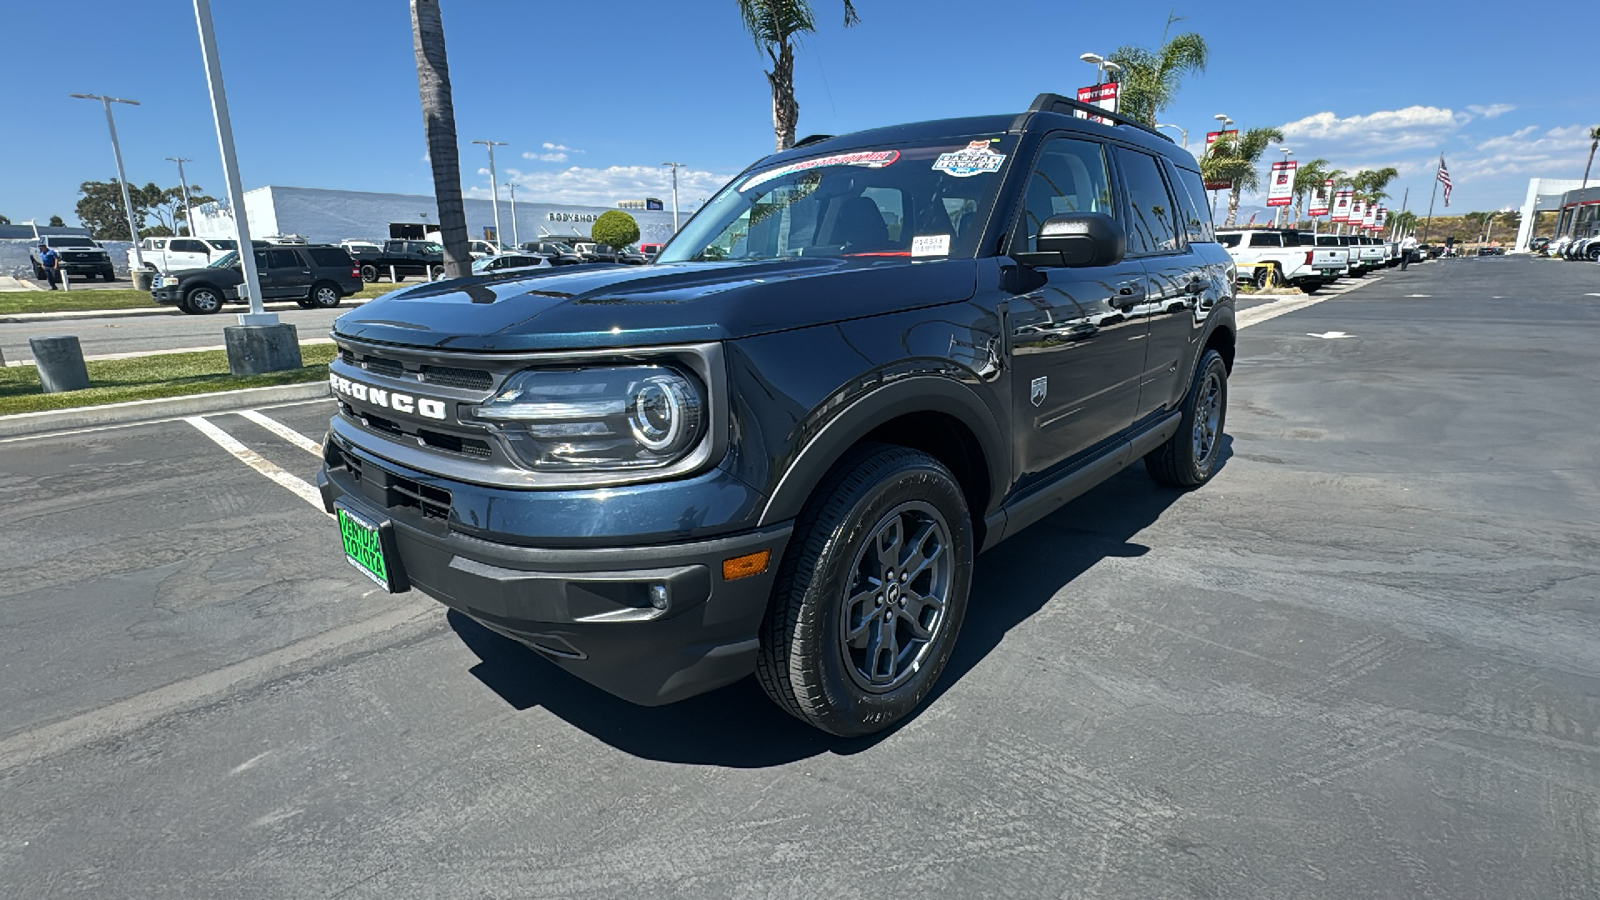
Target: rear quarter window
(1193, 213)
(1228, 240)
(330, 257)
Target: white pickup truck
(1367, 252)
(1268, 256)
(169, 254)
(1332, 243)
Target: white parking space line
(1255, 315)
(297, 486)
(117, 426)
(284, 431)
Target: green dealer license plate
(364, 548)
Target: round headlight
(662, 412)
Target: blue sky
(591, 97)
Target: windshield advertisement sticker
(930, 245)
(976, 159)
(870, 159)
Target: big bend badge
(1041, 386)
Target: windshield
(226, 261)
(70, 242)
(919, 200)
(432, 248)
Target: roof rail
(813, 139)
(1056, 103)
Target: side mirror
(1078, 240)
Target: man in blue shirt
(51, 261)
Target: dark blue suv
(777, 448)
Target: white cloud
(559, 147)
(1397, 129)
(557, 156)
(1490, 111)
(605, 186)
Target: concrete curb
(24, 318)
(23, 424)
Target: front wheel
(325, 296)
(202, 301)
(1189, 458)
(436, 273)
(871, 593)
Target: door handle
(1197, 286)
(1128, 295)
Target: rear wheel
(369, 273)
(202, 301)
(1189, 458)
(324, 295)
(871, 593)
(436, 273)
(1265, 277)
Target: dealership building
(1555, 195)
(328, 216)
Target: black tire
(436, 273)
(202, 301)
(399, 276)
(807, 665)
(1189, 458)
(305, 303)
(1265, 277)
(324, 295)
(369, 273)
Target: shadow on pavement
(737, 726)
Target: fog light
(658, 596)
(745, 566)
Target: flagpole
(1429, 225)
(1395, 232)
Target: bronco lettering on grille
(402, 403)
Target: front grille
(389, 367)
(454, 443)
(399, 491)
(475, 379)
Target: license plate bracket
(370, 547)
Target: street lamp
(515, 240)
(1286, 154)
(188, 214)
(1182, 131)
(1222, 129)
(494, 184)
(122, 177)
(674, 167)
(1101, 65)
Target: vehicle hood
(598, 306)
(230, 275)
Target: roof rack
(1056, 103)
(813, 139)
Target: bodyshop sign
(571, 217)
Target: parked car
(558, 253)
(1538, 244)
(1331, 242)
(650, 250)
(79, 257)
(296, 239)
(315, 276)
(401, 259)
(165, 254)
(1267, 256)
(509, 262)
(778, 449)
(481, 249)
(367, 248)
(626, 256)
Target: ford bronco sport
(777, 449)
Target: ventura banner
(1281, 191)
(1380, 221)
(1341, 206)
(1369, 217)
(1211, 138)
(1319, 199)
(1358, 209)
(1101, 95)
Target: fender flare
(920, 393)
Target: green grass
(12, 302)
(150, 377)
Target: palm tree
(1594, 141)
(439, 123)
(1150, 78)
(1234, 160)
(1404, 222)
(1308, 176)
(1370, 183)
(775, 24)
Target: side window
(1193, 210)
(189, 247)
(1266, 239)
(283, 258)
(330, 257)
(160, 244)
(1150, 226)
(1070, 177)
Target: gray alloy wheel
(1207, 427)
(894, 606)
(325, 296)
(1189, 458)
(203, 301)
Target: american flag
(1444, 179)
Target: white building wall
(330, 216)
(1544, 195)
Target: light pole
(116, 151)
(674, 167)
(230, 169)
(188, 214)
(1286, 154)
(1101, 65)
(1182, 131)
(494, 185)
(515, 241)
(1222, 131)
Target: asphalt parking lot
(1360, 663)
(165, 330)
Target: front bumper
(589, 609)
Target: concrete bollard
(142, 279)
(259, 349)
(59, 359)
